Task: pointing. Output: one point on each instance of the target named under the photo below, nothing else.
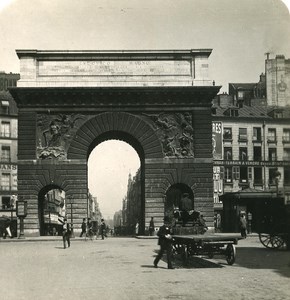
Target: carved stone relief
(176, 133)
(54, 133)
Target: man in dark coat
(66, 232)
(84, 227)
(151, 227)
(103, 229)
(165, 240)
(186, 206)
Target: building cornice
(138, 97)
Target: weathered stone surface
(161, 107)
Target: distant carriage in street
(274, 230)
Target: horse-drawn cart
(206, 245)
(274, 228)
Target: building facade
(8, 148)
(251, 144)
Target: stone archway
(121, 126)
(159, 102)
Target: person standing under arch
(151, 227)
(186, 206)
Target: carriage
(192, 239)
(274, 229)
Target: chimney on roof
(263, 78)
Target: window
(228, 174)
(228, 133)
(272, 176)
(228, 153)
(5, 129)
(271, 135)
(236, 173)
(5, 156)
(241, 95)
(278, 114)
(5, 202)
(258, 180)
(243, 174)
(286, 135)
(286, 154)
(243, 153)
(286, 175)
(257, 153)
(5, 182)
(272, 154)
(257, 134)
(243, 134)
(234, 112)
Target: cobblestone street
(121, 268)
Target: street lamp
(71, 216)
(21, 211)
(277, 176)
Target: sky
(239, 32)
(109, 166)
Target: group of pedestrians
(87, 229)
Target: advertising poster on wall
(217, 140)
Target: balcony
(257, 139)
(271, 140)
(285, 140)
(5, 159)
(5, 134)
(243, 138)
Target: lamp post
(71, 217)
(277, 176)
(21, 211)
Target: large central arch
(158, 102)
(120, 126)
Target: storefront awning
(249, 194)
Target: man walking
(66, 231)
(151, 227)
(84, 227)
(103, 229)
(165, 239)
(243, 226)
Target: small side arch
(49, 206)
(173, 197)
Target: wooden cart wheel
(230, 254)
(271, 241)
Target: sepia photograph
(145, 149)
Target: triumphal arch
(157, 101)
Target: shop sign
(252, 163)
(8, 167)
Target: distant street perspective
(122, 268)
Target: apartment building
(8, 149)
(251, 140)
